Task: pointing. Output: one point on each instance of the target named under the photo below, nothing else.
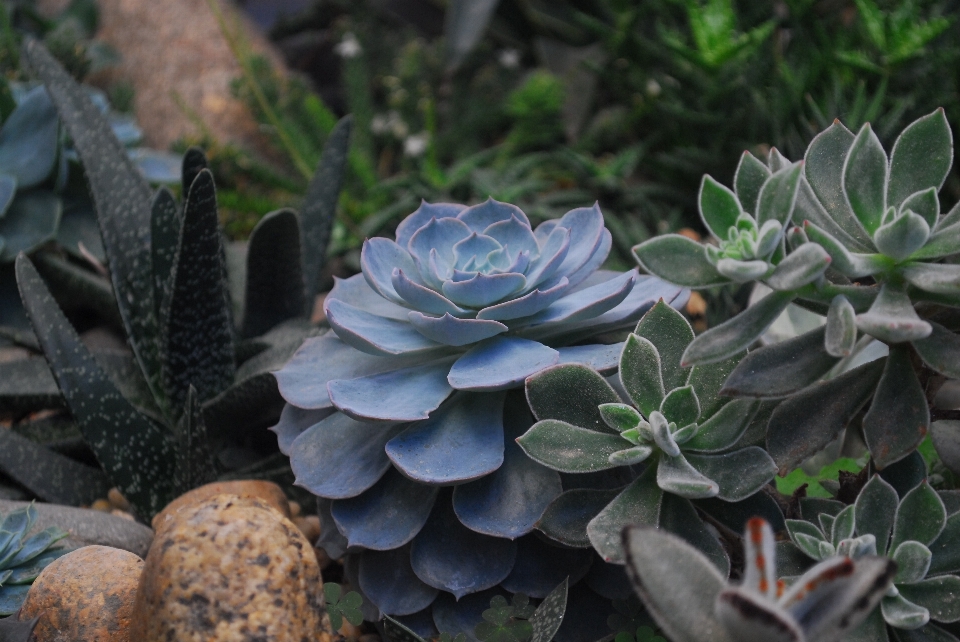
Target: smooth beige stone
(229, 569)
(265, 490)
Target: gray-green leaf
(865, 175)
(678, 259)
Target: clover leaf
(341, 606)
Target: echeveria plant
(867, 248)
(914, 532)
(693, 602)
(676, 435)
(408, 394)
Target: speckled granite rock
(88, 527)
(229, 569)
(85, 596)
(265, 490)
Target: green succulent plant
(201, 383)
(682, 437)
(23, 555)
(916, 533)
(862, 240)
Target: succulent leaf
(670, 333)
(735, 335)
(620, 416)
(936, 278)
(742, 271)
(892, 318)
(678, 259)
(921, 516)
(840, 336)
(913, 562)
(164, 236)
(719, 207)
(568, 448)
(847, 263)
(921, 157)
(681, 406)
(936, 594)
(844, 525)
(388, 581)
(566, 518)
(781, 369)
(902, 236)
(804, 265)
(708, 379)
(876, 509)
(738, 474)
(638, 503)
(500, 363)
(749, 178)
(572, 393)
(641, 373)
(943, 242)
(274, 291)
(865, 177)
(631, 456)
(900, 613)
(677, 476)
(724, 428)
(779, 195)
(898, 418)
(926, 204)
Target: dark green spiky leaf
(681, 406)
(876, 508)
(571, 393)
(724, 428)
(719, 207)
(656, 562)
(738, 333)
(794, 433)
(779, 195)
(194, 162)
(638, 503)
(76, 289)
(708, 379)
(137, 455)
(739, 474)
(568, 448)
(197, 332)
(921, 516)
(27, 385)
(320, 205)
(865, 175)
(195, 465)
(899, 417)
(547, 618)
(641, 373)
(78, 224)
(274, 274)
(678, 259)
(921, 157)
(32, 220)
(122, 197)
(750, 176)
(670, 333)
(566, 518)
(164, 235)
(49, 475)
(780, 369)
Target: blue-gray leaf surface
(29, 139)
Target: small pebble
(369, 637)
(322, 558)
(267, 491)
(85, 596)
(309, 526)
(117, 500)
(226, 569)
(350, 631)
(122, 513)
(102, 505)
(295, 509)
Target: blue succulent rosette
(408, 394)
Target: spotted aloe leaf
(547, 618)
(137, 454)
(319, 208)
(122, 197)
(195, 465)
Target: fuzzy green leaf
(842, 260)
(876, 508)
(921, 157)
(638, 503)
(620, 416)
(567, 516)
(719, 207)
(794, 433)
(925, 204)
(921, 517)
(899, 613)
(939, 595)
(320, 205)
(708, 379)
(892, 318)
(670, 333)
(802, 266)
(274, 274)
(679, 260)
(899, 417)
(943, 242)
(937, 278)
(739, 474)
(742, 271)
(681, 406)
(779, 195)
(913, 562)
(781, 369)
(677, 476)
(940, 351)
(840, 336)
(572, 393)
(568, 448)
(750, 176)
(902, 236)
(738, 333)
(844, 525)
(641, 373)
(724, 428)
(865, 175)
(137, 454)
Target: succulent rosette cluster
(401, 416)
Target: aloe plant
(677, 437)
(852, 234)
(206, 385)
(693, 602)
(916, 533)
